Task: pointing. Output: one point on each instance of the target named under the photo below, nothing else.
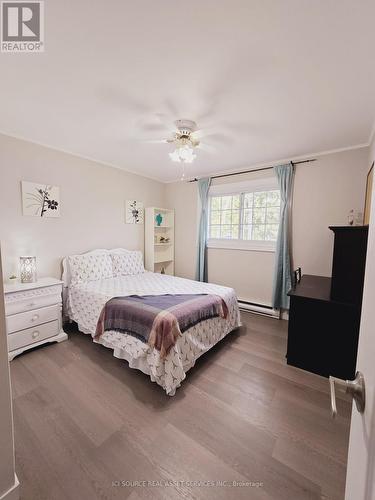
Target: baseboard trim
(261, 309)
(14, 492)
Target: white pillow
(129, 262)
(90, 267)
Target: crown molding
(82, 157)
(272, 163)
(220, 172)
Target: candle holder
(28, 269)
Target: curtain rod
(253, 170)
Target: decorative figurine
(159, 219)
(351, 217)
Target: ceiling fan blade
(207, 148)
(217, 91)
(218, 139)
(166, 122)
(244, 128)
(211, 106)
(172, 110)
(205, 132)
(154, 128)
(155, 141)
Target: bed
(92, 279)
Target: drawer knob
(35, 334)
(35, 317)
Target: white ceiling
(278, 78)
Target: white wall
(7, 468)
(92, 214)
(92, 206)
(324, 193)
(183, 198)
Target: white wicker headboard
(66, 276)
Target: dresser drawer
(29, 319)
(31, 303)
(32, 335)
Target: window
(246, 219)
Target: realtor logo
(22, 26)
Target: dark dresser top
(313, 287)
(349, 228)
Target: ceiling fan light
(187, 154)
(183, 154)
(175, 156)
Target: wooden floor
(86, 425)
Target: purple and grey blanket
(159, 319)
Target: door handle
(356, 388)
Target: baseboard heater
(259, 309)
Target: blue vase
(159, 219)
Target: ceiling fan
(184, 142)
(186, 138)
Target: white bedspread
(86, 300)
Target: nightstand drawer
(29, 319)
(29, 304)
(32, 335)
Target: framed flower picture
(40, 200)
(134, 213)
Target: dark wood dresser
(325, 313)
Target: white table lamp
(28, 269)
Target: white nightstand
(33, 314)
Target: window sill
(251, 246)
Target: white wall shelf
(159, 255)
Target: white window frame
(250, 186)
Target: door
(8, 479)
(360, 480)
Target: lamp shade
(28, 269)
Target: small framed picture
(40, 200)
(134, 212)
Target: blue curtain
(201, 272)
(283, 268)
